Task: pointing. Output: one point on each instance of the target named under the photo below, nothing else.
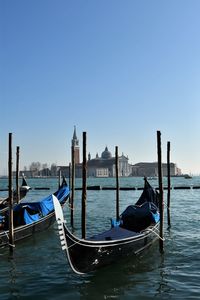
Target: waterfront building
(150, 169)
(104, 166)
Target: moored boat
(32, 217)
(135, 231)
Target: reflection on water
(14, 291)
(125, 278)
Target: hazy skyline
(119, 70)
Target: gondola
(23, 190)
(135, 231)
(32, 216)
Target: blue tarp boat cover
(145, 211)
(137, 218)
(29, 212)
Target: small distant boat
(23, 190)
(136, 230)
(187, 176)
(32, 217)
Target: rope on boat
(68, 247)
(166, 205)
(6, 234)
(149, 229)
(65, 246)
(69, 205)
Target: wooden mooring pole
(72, 185)
(17, 174)
(10, 188)
(161, 203)
(117, 182)
(59, 178)
(168, 184)
(70, 176)
(84, 187)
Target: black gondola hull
(136, 230)
(85, 256)
(42, 223)
(26, 231)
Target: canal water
(39, 269)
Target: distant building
(150, 169)
(104, 166)
(75, 144)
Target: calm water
(39, 267)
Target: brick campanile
(75, 143)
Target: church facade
(100, 166)
(104, 166)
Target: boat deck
(115, 233)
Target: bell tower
(75, 143)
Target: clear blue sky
(118, 69)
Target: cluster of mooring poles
(84, 187)
(10, 189)
(161, 199)
(11, 193)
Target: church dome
(106, 154)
